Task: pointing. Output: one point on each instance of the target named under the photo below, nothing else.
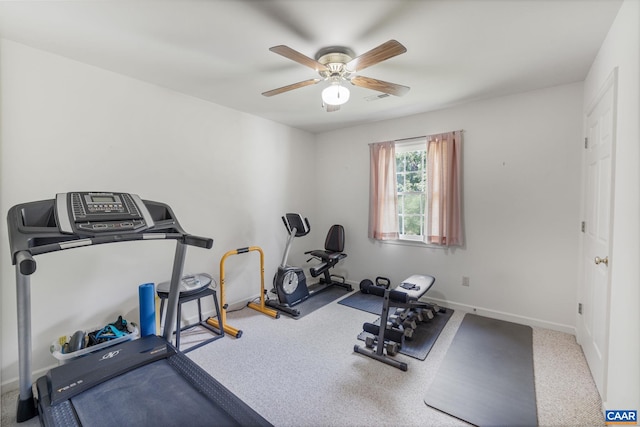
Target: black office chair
(331, 255)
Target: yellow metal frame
(258, 307)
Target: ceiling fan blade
(331, 108)
(291, 87)
(380, 86)
(377, 54)
(294, 55)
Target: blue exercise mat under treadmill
(486, 377)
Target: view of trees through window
(411, 176)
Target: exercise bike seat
(332, 253)
(326, 255)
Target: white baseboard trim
(14, 384)
(501, 315)
(487, 312)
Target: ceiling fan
(337, 65)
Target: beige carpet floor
(303, 372)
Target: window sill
(411, 243)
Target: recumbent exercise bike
(290, 283)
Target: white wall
(68, 126)
(621, 49)
(521, 162)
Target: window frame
(407, 146)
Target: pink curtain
(443, 217)
(383, 209)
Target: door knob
(604, 260)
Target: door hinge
(579, 308)
(583, 226)
(586, 143)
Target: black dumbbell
(381, 282)
(364, 286)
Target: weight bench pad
(415, 286)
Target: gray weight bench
(394, 328)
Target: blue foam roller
(146, 294)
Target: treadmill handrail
(201, 242)
(44, 238)
(33, 230)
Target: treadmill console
(95, 213)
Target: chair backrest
(335, 239)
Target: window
(415, 190)
(411, 178)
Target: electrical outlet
(465, 281)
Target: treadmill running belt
(151, 395)
(148, 394)
(159, 388)
(168, 392)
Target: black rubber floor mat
(317, 301)
(486, 377)
(424, 336)
(365, 302)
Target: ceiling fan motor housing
(334, 58)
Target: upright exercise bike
(290, 283)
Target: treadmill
(144, 382)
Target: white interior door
(596, 264)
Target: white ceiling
(218, 50)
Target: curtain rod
(413, 137)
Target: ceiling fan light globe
(335, 95)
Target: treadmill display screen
(103, 199)
(101, 203)
(93, 213)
